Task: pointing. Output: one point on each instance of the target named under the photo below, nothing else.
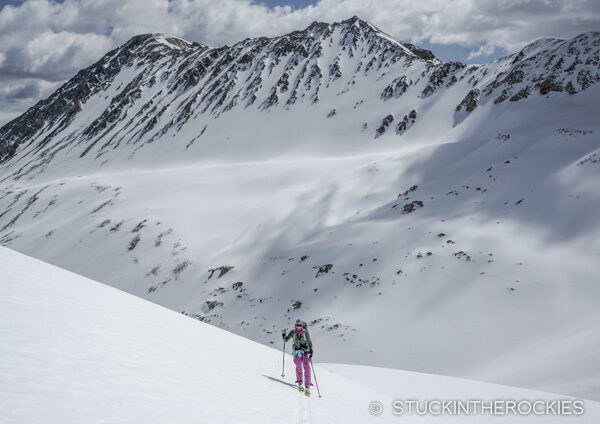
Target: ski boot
(307, 391)
(300, 387)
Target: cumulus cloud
(54, 55)
(51, 41)
(19, 91)
(18, 94)
(486, 49)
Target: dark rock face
(410, 190)
(514, 77)
(397, 87)
(470, 102)
(385, 123)
(323, 269)
(442, 75)
(412, 206)
(421, 53)
(522, 94)
(550, 84)
(406, 121)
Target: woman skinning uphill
(302, 352)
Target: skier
(302, 351)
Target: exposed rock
(133, 243)
(396, 88)
(462, 255)
(406, 121)
(470, 102)
(570, 88)
(385, 123)
(522, 94)
(138, 227)
(410, 190)
(180, 267)
(212, 304)
(222, 271)
(411, 207)
(441, 75)
(550, 84)
(323, 269)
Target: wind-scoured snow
(422, 215)
(74, 350)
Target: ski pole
(315, 376)
(283, 361)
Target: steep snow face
(414, 217)
(74, 351)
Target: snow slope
(472, 232)
(74, 350)
(158, 232)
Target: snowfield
(421, 215)
(76, 351)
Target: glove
(283, 335)
(310, 353)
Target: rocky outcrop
(470, 102)
(441, 75)
(396, 88)
(384, 124)
(407, 121)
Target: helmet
(302, 323)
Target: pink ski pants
(302, 361)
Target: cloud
(54, 55)
(18, 94)
(51, 41)
(20, 91)
(486, 49)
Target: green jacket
(301, 341)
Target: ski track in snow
(74, 350)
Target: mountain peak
(316, 65)
(168, 41)
(355, 28)
(355, 20)
(362, 23)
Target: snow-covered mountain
(423, 215)
(74, 350)
(161, 90)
